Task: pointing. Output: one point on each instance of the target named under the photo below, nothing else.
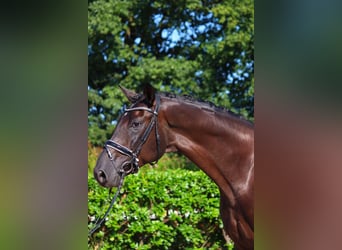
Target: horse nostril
(101, 177)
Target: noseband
(133, 164)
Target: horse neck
(221, 144)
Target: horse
(215, 139)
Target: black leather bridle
(132, 165)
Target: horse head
(137, 139)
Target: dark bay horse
(220, 143)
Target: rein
(99, 221)
(133, 165)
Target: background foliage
(159, 209)
(203, 48)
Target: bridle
(132, 165)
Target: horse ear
(149, 93)
(130, 94)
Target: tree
(202, 48)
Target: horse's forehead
(138, 105)
(127, 116)
(122, 123)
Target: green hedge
(159, 209)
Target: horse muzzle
(106, 179)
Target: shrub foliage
(158, 209)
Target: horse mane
(201, 103)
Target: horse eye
(136, 124)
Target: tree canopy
(200, 48)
